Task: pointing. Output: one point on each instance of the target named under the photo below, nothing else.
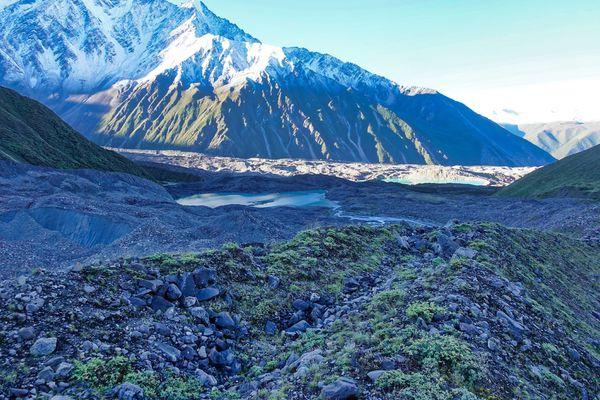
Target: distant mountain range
(560, 139)
(154, 75)
(31, 133)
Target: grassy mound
(575, 176)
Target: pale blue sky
(479, 51)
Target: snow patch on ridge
(99, 45)
(416, 90)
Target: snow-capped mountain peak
(207, 22)
(140, 73)
(73, 47)
(215, 60)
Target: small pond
(306, 198)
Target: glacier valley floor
(55, 218)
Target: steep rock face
(266, 118)
(149, 74)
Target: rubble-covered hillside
(461, 312)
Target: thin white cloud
(568, 100)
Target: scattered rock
(46, 374)
(64, 370)
(187, 285)
(224, 320)
(300, 326)
(341, 389)
(204, 277)
(574, 354)
(173, 292)
(516, 329)
(301, 305)
(159, 303)
(351, 285)
(200, 314)
(403, 241)
(207, 293)
(152, 285)
(374, 375)
(307, 360)
(43, 347)
(206, 379)
(465, 252)
(273, 282)
(26, 333)
(128, 391)
(173, 354)
(89, 289)
(271, 328)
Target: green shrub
(231, 247)
(181, 388)
(425, 310)
(147, 380)
(102, 374)
(414, 386)
(389, 300)
(550, 349)
(419, 386)
(448, 356)
(227, 395)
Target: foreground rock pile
(463, 312)
(160, 321)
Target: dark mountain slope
(457, 135)
(33, 134)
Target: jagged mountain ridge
(150, 74)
